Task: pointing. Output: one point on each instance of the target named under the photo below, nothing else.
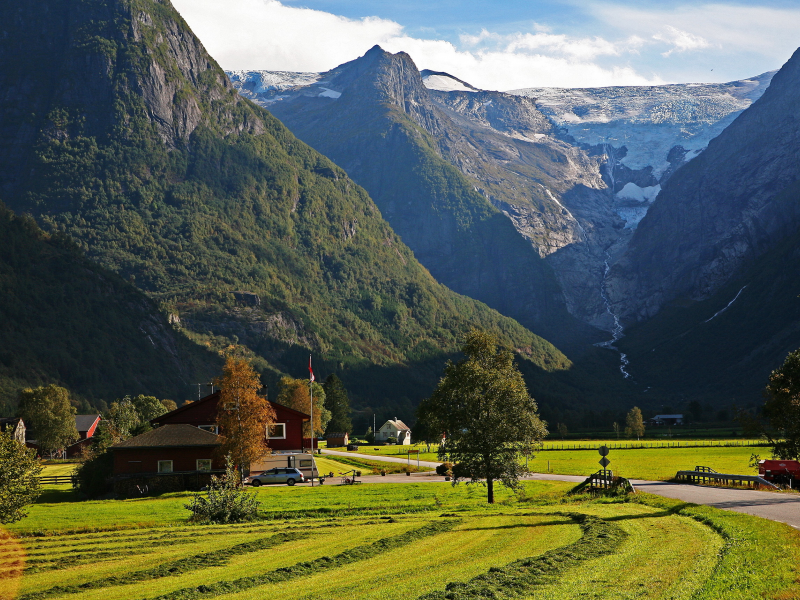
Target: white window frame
(276, 437)
(210, 428)
(206, 461)
(163, 470)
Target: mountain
(475, 185)
(118, 129)
(718, 213)
(66, 320)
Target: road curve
(784, 508)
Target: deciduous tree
(634, 424)
(483, 406)
(243, 415)
(338, 403)
(19, 478)
(48, 411)
(294, 393)
(782, 407)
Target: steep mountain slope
(119, 129)
(719, 212)
(66, 320)
(471, 183)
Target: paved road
(784, 508)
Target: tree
(484, 408)
(616, 428)
(338, 403)
(148, 407)
(242, 415)
(562, 430)
(19, 478)
(782, 407)
(122, 418)
(294, 394)
(634, 424)
(48, 412)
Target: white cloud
(265, 34)
(681, 41)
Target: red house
(285, 435)
(168, 449)
(87, 427)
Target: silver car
(289, 476)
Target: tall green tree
(338, 403)
(634, 423)
(148, 407)
(782, 408)
(48, 411)
(19, 478)
(483, 406)
(123, 417)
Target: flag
(310, 372)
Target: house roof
(85, 422)
(668, 417)
(171, 436)
(215, 398)
(335, 434)
(398, 424)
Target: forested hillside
(119, 130)
(64, 319)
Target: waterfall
(616, 332)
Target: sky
(508, 44)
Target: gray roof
(84, 422)
(171, 436)
(399, 425)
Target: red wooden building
(285, 435)
(87, 427)
(168, 449)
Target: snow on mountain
(648, 120)
(252, 84)
(444, 82)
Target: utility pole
(311, 395)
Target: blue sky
(508, 44)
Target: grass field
(427, 541)
(647, 463)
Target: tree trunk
(490, 490)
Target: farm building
(87, 427)
(396, 429)
(663, 420)
(286, 434)
(15, 426)
(337, 439)
(168, 458)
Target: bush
(225, 502)
(460, 471)
(444, 469)
(391, 440)
(94, 473)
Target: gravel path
(781, 507)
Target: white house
(396, 429)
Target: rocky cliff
(719, 212)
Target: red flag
(310, 372)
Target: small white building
(396, 429)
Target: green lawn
(332, 542)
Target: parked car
(289, 476)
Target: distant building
(664, 420)
(337, 439)
(394, 428)
(15, 426)
(87, 427)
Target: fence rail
(647, 445)
(56, 479)
(709, 475)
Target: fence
(593, 445)
(56, 479)
(708, 475)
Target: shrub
(94, 473)
(391, 440)
(225, 502)
(460, 471)
(444, 469)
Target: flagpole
(311, 395)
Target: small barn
(87, 427)
(394, 428)
(337, 439)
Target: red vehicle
(780, 471)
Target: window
(165, 466)
(276, 431)
(305, 463)
(210, 428)
(203, 464)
